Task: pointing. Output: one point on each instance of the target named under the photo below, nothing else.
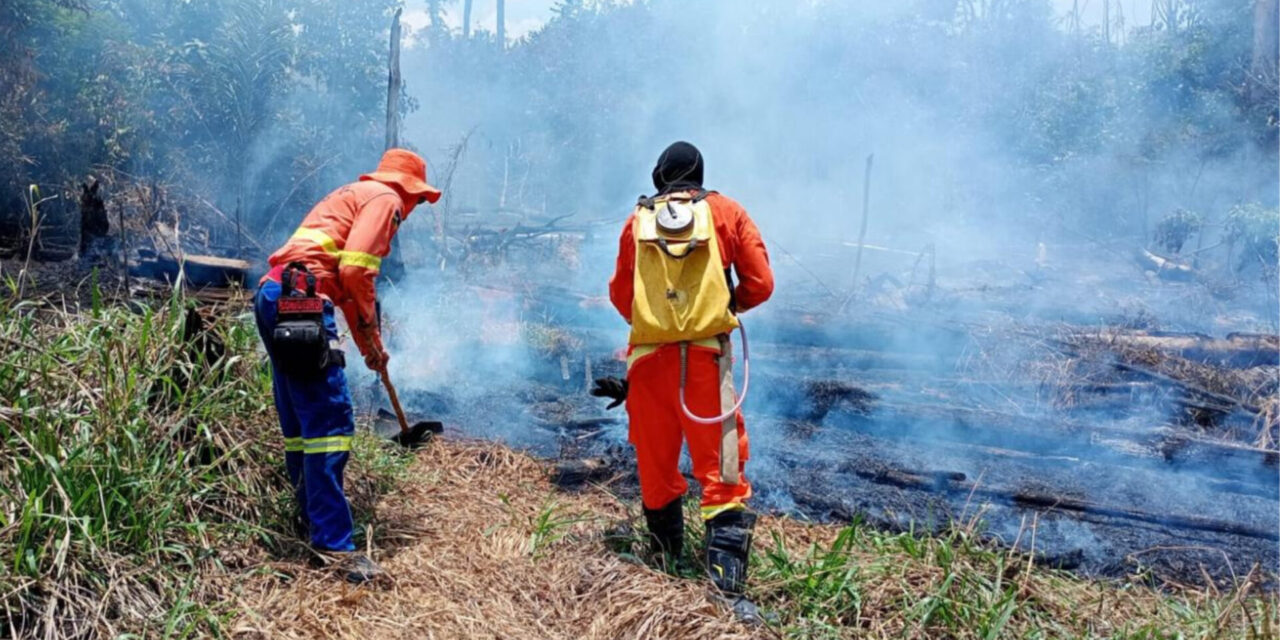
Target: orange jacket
(342, 241)
(740, 246)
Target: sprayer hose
(746, 380)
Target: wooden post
(239, 234)
(393, 85)
(124, 246)
(933, 271)
(502, 24)
(466, 19)
(862, 231)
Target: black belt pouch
(298, 342)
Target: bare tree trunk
(466, 19)
(1106, 20)
(1119, 22)
(502, 24)
(393, 268)
(1266, 49)
(393, 85)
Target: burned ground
(1051, 428)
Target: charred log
(197, 270)
(1164, 267)
(1238, 350)
(941, 481)
(94, 223)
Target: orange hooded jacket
(342, 241)
(344, 238)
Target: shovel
(409, 437)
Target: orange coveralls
(657, 423)
(342, 241)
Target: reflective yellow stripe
(359, 259)
(713, 511)
(317, 236)
(293, 444)
(330, 444)
(642, 350)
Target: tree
(502, 24)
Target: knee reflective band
(666, 528)
(711, 511)
(729, 548)
(328, 444)
(293, 444)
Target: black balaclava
(679, 168)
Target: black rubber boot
(728, 549)
(666, 528)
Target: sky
(526, 16)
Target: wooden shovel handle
(395, 401)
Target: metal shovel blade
(408, 437)
(418, 434)
(387, 426)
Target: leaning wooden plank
(198, 271)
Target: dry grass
(479, 544)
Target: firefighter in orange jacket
(332, 259)
(673, 286)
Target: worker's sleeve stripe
(317, 236)
(330, 444)
(360, 259)
(293, 444)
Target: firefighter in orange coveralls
(332, 259)
(673, 286)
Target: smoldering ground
(1014, 177)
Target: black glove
(611, 387)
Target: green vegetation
(139, 460)
(189, 91)
(1176, 228)
(1253, 233)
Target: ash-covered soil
(969, 405)
(905, 449)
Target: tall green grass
(129, 468)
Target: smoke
(1017, 167)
